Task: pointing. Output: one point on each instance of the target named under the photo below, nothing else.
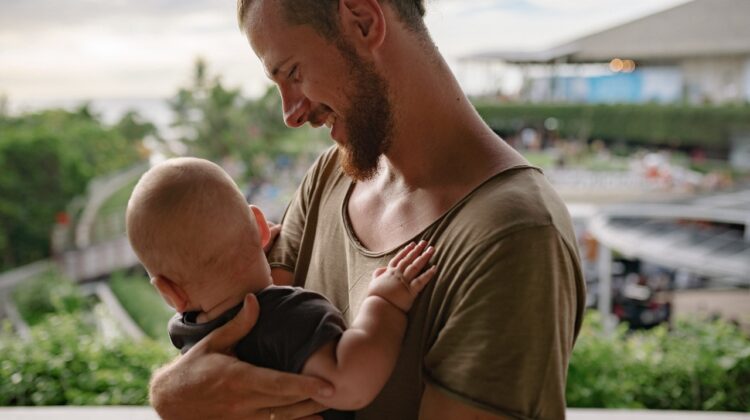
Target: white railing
(99, 260)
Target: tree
(217, 122)
(47, 159)
(134, 127)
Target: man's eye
(292, 72)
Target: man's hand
(274, 229)
(209, 383)
(401, 281)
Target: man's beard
(369, 119)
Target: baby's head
(201, 243)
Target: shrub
(67, 363)
(49, 293)
(700, 365)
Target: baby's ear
(260, 220)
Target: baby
(202, 246)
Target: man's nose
(296, 108)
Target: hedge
(674, 125)
(699, 365)
(67, 363)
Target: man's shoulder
(512, 200)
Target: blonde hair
(186, 220)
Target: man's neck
(440, 151)
(439, 139)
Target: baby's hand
(401, 281)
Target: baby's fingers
(420, 282)
(409, 258)
(401, 254)
(418, 264)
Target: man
(492, 335)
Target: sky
(102, 49)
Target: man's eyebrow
(275, 69)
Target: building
(698, 52)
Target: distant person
(178, 221)
(492, 335)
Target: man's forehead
(267, 32)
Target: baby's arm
(360, 363)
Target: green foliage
(217, 122)
(134, 128)
(48, 158)
(47, 294)
(674, 125)
(67, 363)
(701, 365)
(143, 303)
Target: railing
(98, 260)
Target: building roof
(697, 28)
(663, 234)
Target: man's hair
(320, 14)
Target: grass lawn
(110, 219)
(546, 160)
(119, 200)
(143, 303)
(540, 159)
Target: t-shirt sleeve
(290, 328)
(285, 251)
(508, 329)
(321, 322)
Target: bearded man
(492, 335)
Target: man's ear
(172, 293)
(364, 20)
(263, 229)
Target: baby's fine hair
(186, 215)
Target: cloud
(97, 48)
(34, 14)
(461, 27)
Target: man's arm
(362, 361)
(208, 383)
(282, 277)
(508, 329)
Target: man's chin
(355, 170)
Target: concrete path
(146, 413)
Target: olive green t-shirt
(495, 328)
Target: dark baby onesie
(293, 323)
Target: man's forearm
(160, 387)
